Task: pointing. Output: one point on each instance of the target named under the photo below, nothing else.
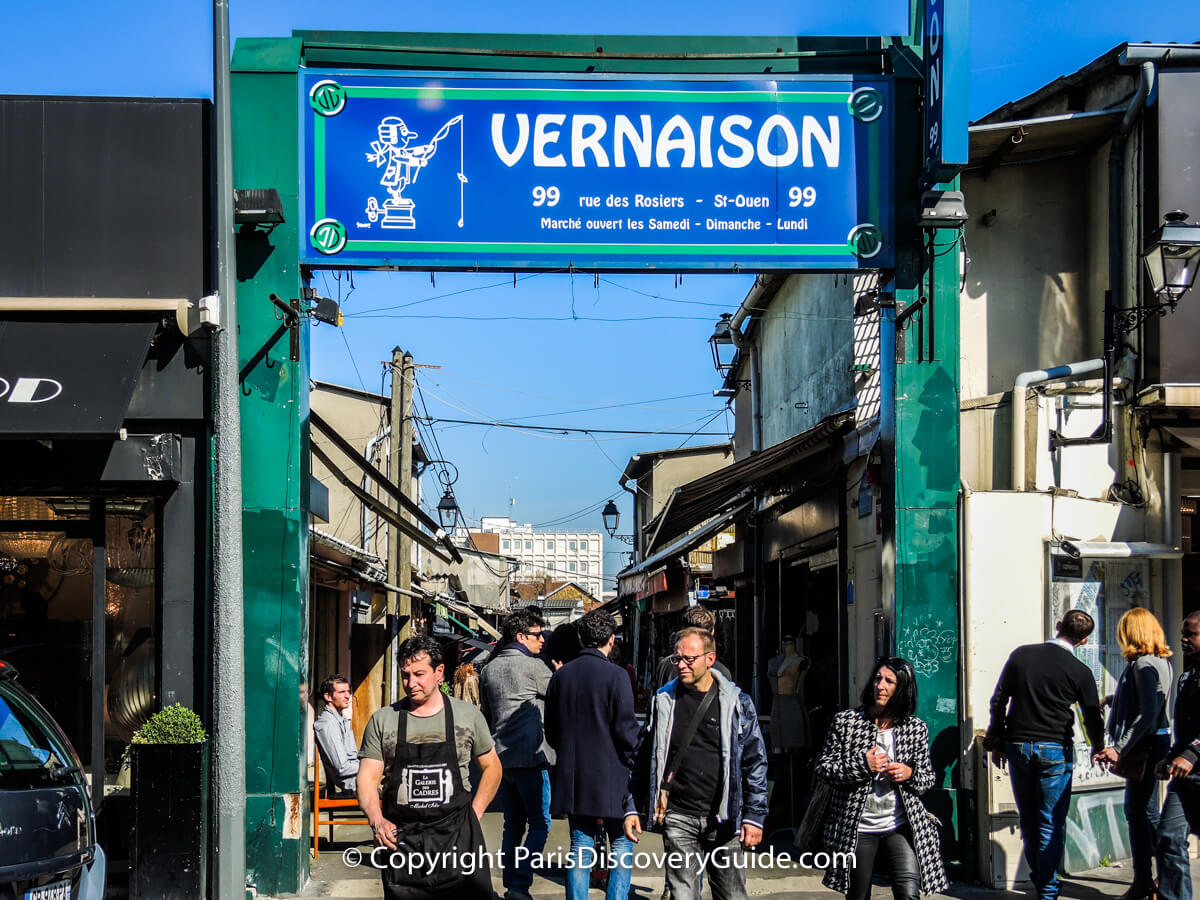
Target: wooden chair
(326, 803)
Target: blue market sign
(945, 51)
(483, 172)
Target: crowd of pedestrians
(548, 727)
(1031, 733)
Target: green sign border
(595, 95)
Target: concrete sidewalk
(332, 877)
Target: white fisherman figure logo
(403, 164)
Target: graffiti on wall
(1096, 829)
(928, 645)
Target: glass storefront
(78, 615)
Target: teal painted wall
(926, 479)
(275, 472)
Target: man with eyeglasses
(701, 774)
(512, 690)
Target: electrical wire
(603, 319)
(562, 429)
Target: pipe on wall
(1172, 582)
(1020, 394)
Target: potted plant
(169, 784)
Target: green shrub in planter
(169, 780)
(174, 724)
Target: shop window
(48, 592)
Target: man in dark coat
(590, 723)
(1181, 810)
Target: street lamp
(447, 509)
(612, 516)
(723, 345)
(1171, 262)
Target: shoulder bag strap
(673, 760)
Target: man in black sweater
(1181, 811)
(1031, 732)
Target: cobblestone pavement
(331, 877)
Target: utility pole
(399, 544)
(229, 642)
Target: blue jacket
(744, 779)
(590, 723)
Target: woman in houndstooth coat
(876, 759)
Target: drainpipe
(637, 528)
(1171, 581)
(229, 637)
(765, 287)
(1114, 299)
(755, 396)
(1116, 223)
(1020, 393)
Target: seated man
(335, 739)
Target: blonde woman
(466, 683)
(1141, 735)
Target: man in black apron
(425, 821)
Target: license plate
(60, 890)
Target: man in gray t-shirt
(471, 735)
(413, 784)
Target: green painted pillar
(275, 476)
(926, 492)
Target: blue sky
(548, 350)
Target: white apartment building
(561, 555)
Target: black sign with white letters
(68, 379)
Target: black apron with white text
(431, 809)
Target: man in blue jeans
(700, 775)
(1181, 810)
(512, 693)
(1031, 732)
(590, 723)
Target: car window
(29, 755)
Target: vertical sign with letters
(945, 44)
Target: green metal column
(926, 486)
(275, 476)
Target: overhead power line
(563, 429)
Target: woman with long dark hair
(876, 758)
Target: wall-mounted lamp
(257, 206)
(612, 518)
(324, 309)
(943, 209)
(724, 349)
(1171, 259)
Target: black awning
(719, 491)
(69, 379)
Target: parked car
(48, 848)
